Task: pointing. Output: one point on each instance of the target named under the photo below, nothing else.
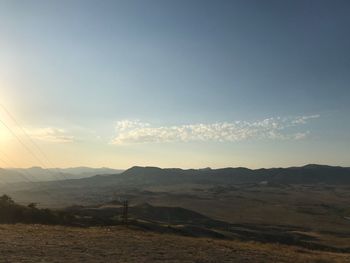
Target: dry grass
(37, 243)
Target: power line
(24, 176)
(27, 148)
(20, 174)
(19, 139)
(22, 143)
(31, 140)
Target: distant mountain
(154, 176)
(308, 174)
(36, 174)
(137, 181)
(10, 176)
(136, 176)
(88, 171)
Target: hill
(38, 174)
(175, 220)
(181, 221)
(135, 176)
(309, 174)
(313, 198)
(294, 175)
(37, 243)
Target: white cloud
(301, 135)
(304, 119)
(135, 131)
(51, 134)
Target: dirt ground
(37, 243)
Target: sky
(186, 84)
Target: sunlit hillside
(23, 243)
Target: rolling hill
(38, 174)
(309, 174)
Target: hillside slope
(37, 243)
(38, 174)
(308, 174)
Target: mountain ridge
(311, 173)
(39, 174)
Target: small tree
(32, 205)
(6, 200)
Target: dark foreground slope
(37, 243)
(172, 220)
(180, 221)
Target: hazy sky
(175, 83)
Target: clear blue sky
(177, 83)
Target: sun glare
(4, 136)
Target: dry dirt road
(37, 243)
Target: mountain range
(36, 174)
(308, 174)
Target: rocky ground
(38, 243)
